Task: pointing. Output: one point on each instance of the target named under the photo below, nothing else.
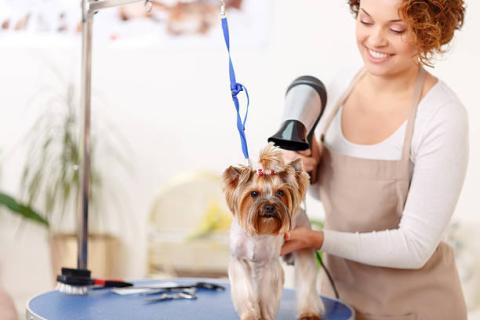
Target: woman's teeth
(377, 55)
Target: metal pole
(86, 85)
(89, 8)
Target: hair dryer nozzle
(291, 136)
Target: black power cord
(330, 278)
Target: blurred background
(163, 130)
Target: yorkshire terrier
(265, 204)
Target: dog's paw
(248, 317)
(309, 316)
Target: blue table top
(104, 304)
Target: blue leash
(236, 88)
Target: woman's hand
(310, 158)
(302, 238)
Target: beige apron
(364, 195)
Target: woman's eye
(397, 31)
(279, 193)
(366, 23)
(254, 194)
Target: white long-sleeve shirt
(439, 153)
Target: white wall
(174, 110)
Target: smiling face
(385, 41)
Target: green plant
(16, 207)
(23, 210)
(50, 177)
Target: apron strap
(417, 96)
(340, 101)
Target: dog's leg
(270, 286)
(244, 297)
(309, 305)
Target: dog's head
(265, 200)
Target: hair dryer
(305, 101)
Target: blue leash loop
(236, 88)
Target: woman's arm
(439, 172)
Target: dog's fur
(266, 204)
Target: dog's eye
(254, 194)
(279, 193)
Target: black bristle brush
(78, 281)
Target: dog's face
(265, 200)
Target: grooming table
(105, 305)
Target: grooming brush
(78, 281)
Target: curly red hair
(433, 23)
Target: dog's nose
(269, 208)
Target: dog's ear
(301, 176)
(232, 177)
(297, 165)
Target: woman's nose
(377, 38)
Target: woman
(7, 307)
(391, 165)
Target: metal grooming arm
(89, 8)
